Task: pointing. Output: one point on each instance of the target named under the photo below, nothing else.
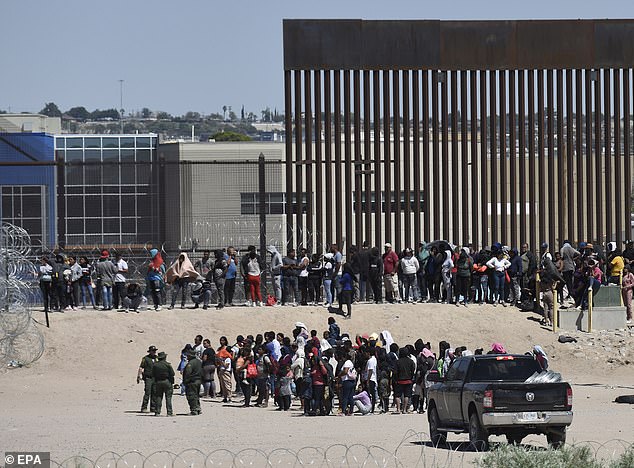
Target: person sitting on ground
(362, 401)
(133, 297)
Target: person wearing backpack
(246, 371)
(263, 363)
(464, 265)
(422, 257)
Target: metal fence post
(262, 211)
(590, 294)
(555, 311)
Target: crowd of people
(435, 272)
(320, 373)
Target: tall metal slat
(308, 148)
(551, 192)
(569, 159)
(427, 206)
(454, 184)
(618, 176)
(416, 140)
(288, 109)
(319, 170)
(580, 177)
(347, 149)
(503, 187)
(464, 160)
(561, 156)
(473, 118)
(435, 193)
(486, 237)
(588, 153)
(493, 157)
(442, 181)
(521, 173)
(367, 156)
(627, 142)
(407, 162)
(532, 215)
(541, 166)
(396, 148)
(598, 158)
(337, 169)
(377, 158)
(514, 212)
(299, 158)
(357, 167)
(328, 97)
(387, 156)
(607, 144)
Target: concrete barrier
(603, 318)
(608, 296)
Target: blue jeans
(327, 290)
(347, 392)
(86, 291)
(106, 296)
(498, 286)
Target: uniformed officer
(145, 373)
(192, 378)
(164, 382)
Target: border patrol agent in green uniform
(192, 378)
(164, 381)
(145, 373)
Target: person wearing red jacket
(390, 277)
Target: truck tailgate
(529, 397)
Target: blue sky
(196, 55)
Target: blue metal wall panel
(38, 147)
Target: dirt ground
(81, 397)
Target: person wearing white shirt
(499, 264)
(119, 292)
(371, 374)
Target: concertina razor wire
(414, 450)
(21, 342)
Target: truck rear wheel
(478, 437)
(557, 438)
(437, 437)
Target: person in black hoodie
(355, 267)
(364, 269)
(375, 274)
(58, 295)
(515, 273)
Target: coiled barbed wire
(21, 342)
(414, 450)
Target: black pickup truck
(487, 395)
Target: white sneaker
(629, 322)
(248, 303)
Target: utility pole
(121, 104)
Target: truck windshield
(515, 370)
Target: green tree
(266, 115)
(146, 113)
(232, 116)
(107, 114)
(230, 136)
(192, 116)
(161, 115)
(51, 110)
(79, 113)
